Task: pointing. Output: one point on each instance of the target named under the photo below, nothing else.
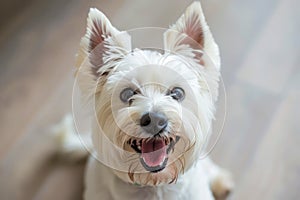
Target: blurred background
(260, 50)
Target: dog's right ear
(102, 43)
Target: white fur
(103, 184)
(196, 70)
(69, 144)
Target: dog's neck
(181, 185)
(191, 182)
(190, 185)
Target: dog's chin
(154, 151)
(168, 175)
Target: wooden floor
(260, 48)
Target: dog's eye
(126, 94)
(177, 93)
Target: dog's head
(154, 108)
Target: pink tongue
(154, 152)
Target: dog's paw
(222, 185)
(70, 147)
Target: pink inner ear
(96, 46)
(197, 35)
(194, 29)
(96, 37)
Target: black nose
(154, 122)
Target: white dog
(153, 112)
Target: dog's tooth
(173, 139)
(139, 143)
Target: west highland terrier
(153, 112)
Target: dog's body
(153, 112)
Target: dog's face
(153, 108)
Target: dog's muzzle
(154, 151)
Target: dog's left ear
(102, 43)
(191, 31)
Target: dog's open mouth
(154, 151)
